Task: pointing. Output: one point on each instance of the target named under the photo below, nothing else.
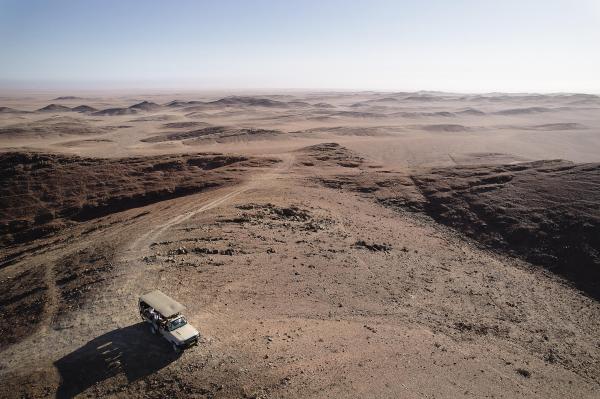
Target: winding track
(113, 304)
(131, 259)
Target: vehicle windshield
(175, 324)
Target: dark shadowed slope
(44, 192)
(545, 211)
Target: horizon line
(166, 88)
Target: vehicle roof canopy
(164, 305)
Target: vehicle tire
(176, 348)
(153, 329)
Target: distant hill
(67, 98)
(115, 112)
(250, 101)
(7, 110)
(523, 111)
(145, 106)
(84, 108)
(54, 108)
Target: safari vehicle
(164, 316)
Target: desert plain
(326, 244)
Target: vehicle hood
(184, 332)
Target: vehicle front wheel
(176, 348)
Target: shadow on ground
(130, 351)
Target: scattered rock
(373, 247)
(373, 330)
(524, 373)
(178, 251)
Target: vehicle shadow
(132, 351)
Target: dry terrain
(326, 244)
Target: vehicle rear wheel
(176, 348)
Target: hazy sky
(500, 45)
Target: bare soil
(376, 245)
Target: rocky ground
(317, 268)
(294, 298)
(542, 211)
